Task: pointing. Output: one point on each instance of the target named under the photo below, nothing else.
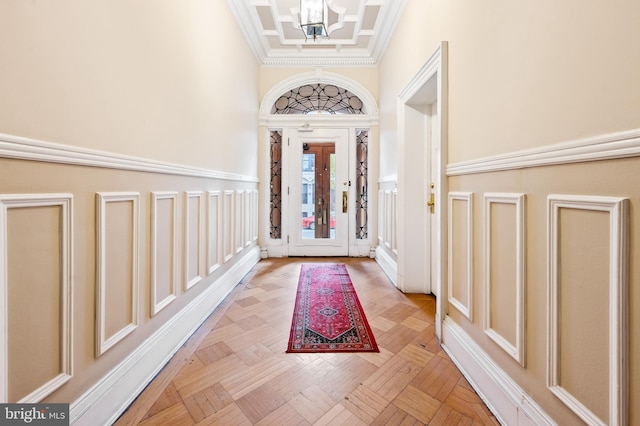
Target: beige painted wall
(272, 76)
(172, 81)
(521, 76)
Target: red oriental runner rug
(328, 316)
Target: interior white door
(318, 192)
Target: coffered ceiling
(358, 31)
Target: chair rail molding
(622, 144)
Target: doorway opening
(319, 128)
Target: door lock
(432, 202)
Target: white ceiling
(358, 31)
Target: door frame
(419, 134)
(297, 246)
(268, 122)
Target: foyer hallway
(234, 369)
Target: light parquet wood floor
(234, 369)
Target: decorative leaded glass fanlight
(318, 98)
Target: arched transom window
(318, 99)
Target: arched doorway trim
(315, 77)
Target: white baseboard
(506, 400)
(388, 264)
(110, 396)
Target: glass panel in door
(318, 191)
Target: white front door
(318, 192)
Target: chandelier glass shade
(313, 19)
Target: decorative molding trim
(603, 147)
(428, 70)
(213, 231)
(388, 264)
(388, 179)
(394, 221)
(228, 224)
(190, 281)
(381, 216)
(254, 215)
(240, 218)
(105, 401)
(248, 218)
(466, 310)
(104, 342)
(315, 77)
(511, 404)
(515, 349)
(388, 219)
(618, 209)
(34, 150)
(157, 306)
(65, 202)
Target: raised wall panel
(254, 215)
(381, 216)
(460, 257)
(588, 330)
(164, 249)
(504, 272)
(228, 223)
(36, 295)
(393, 219)
(248, 221)
(387, 218)
(239, 220)
(192, 239)
(117, 267)
(213, 230)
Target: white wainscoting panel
(103, 199)
(388, 214)
(164, 249)
(248, 221)
(513, 346)
(192, 238)
(239, 220)
(213, 230)
(254, 215)
(228, 225)
(381, 216)
(616, 315)
(393, 221)
(109, 396)
(465, 236)
(512, 405)
(64, 234)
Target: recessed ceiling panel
(370, 17)
(264, 13)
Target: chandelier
(313, 19)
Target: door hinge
(288, 142)
(287, 190)
(287, 239)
